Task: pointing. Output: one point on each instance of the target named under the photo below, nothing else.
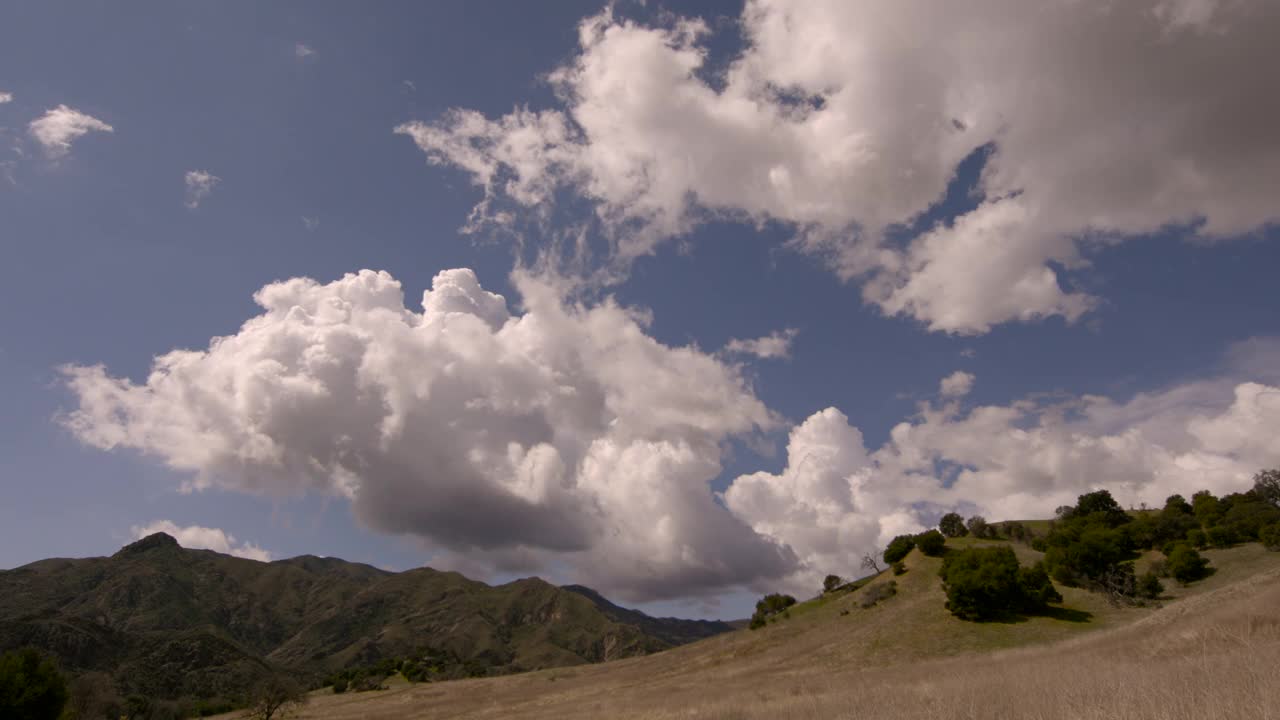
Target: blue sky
(1148, 364)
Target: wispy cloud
(5, 97)
(303, 51)
(200, 184)
(775, 345)
(59, 127)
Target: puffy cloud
(774, 345)
(562, 434)
(835, 500)
(301, 51)
(845, 119)
(957, 384)
(59, 127)
(5, 97)
(200, 184)
(203, 538)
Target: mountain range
(169, 622)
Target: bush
(875, 593)
(831, 582)
(1149, 586)
(900, 567)
(952, 525)
(1222, 536)
(931, 543)
(1270, 536)
(768, 608)
(339, 686)
(898, 548)
(1186, 565)
(1197, 539)
(31, 688)
(988, 583)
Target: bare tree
(276, 696)
(869, 563)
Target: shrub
(1149, 586)
(952, 525)
(1222, 536)
(768, 608)
(898, 548)
(901, 567)
(831, 582)
(31, 687)
(339, 686)
(931, 543)
(987, 583)
(1197, 539)
(875, 593)
(1270, 536)
(1186, 565)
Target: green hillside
(168, 622)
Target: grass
(1213, 651)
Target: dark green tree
(1266, 485)
(831, 582)
(770, 606)
(931, 542)
(1185, 564)
(987, 584)
(1270, 536)
(898, 548)
(952, 525)
(1178, 504)
(31, 688)
(978, 526)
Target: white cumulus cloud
(846, 118)
(5, 97)
(199, 184)
(59, 127)
(563, 433)
(957, 384)
(203, 538)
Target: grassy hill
(168, 622)
(1212, 650)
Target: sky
(686, 302)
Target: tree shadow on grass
(1063, 614)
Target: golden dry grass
(1212, 652)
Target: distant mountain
(166, 621)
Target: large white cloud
(561, 434)
(203, 538)
(836, 500)
(844, 118)
(60, 126)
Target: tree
(1270, 536)
(1266, 484)
(275, 696)
(952, 525)
(1149, 586)
(987, 583)
(31, 688)
(1186, 565)
(93, 695)
(1178, 504)
(931, 542)
(1017, 531)
(831, 582)
(869, 563)
(899, 547)
(978, 526)
(1101, 507)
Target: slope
(1211, 651)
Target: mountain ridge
(169, 622)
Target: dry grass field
(1212, 651)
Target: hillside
(1211, 650)
(170, 622)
